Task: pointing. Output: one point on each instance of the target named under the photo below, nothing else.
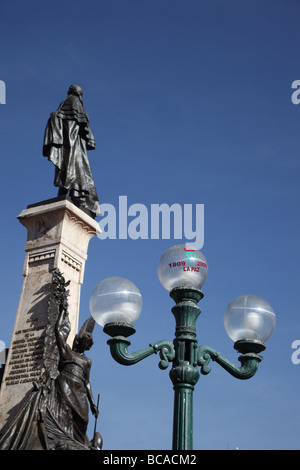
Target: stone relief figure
(66, 141)
(55, 414)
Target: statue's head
(84, 339)
(75, 90)
(83, 342)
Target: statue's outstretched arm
(60, 337)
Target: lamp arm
(118, 349)
(248, 368)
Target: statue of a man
(66, 141)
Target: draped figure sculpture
(55, 414)
(66, 141)
(68, 405)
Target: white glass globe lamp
(115, 300)
(249, 318)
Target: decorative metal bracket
(118, 349)
(119, 344)
(248, 368)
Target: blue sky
(190, 103)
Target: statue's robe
(26, 431)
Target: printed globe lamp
(182, 267)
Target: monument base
(58, 235)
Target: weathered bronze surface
(54, 416)
(66, 141)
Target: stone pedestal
(58, 237)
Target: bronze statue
(55, 414)
(69, 403)
(66, 141)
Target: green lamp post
(116, 303)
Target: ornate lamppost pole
(249, 320)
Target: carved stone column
(58, 234)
